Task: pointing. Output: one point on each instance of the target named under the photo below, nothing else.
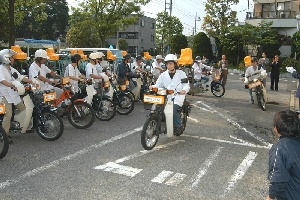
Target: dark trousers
(223, 77)
(274, 80)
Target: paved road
(222, 155)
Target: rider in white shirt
(39, 70)
(7, 90)
(157, 67)
(171, 79)
(200, 71)
(137, 68)
(91, 70)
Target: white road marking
(201, 108)
(203, 169)
(228, 142)
(193, 119)
(54, 163)
(141, 153)
(176, 179)
(162, 176)
(240, 171)
(119, 169)
(237, 125)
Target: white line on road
(237, 125)
(176, 179)
(203, 169)
(227, 141)
(240, 171)
(54, 163)
(119, 169)
(193, 119)
(161, 177)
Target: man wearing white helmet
(171, 79)
(39, 70)
(200, 71)
(91, 70)
(157, 67)
(7, 90)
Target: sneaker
(178, 131)
(252, 101)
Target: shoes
(178, 130)
(252, 101)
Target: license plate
(254, 85)
(49, 97)
(154, 99)
(2, 109)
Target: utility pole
(197, 19)
(168, 6)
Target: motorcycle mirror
(184, 80)
(15, 75)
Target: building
(140, 36)
(282, 13)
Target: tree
(202, 46)
(219, 17)
(123, 45)
(178, 42)
(296, 45)
(270, 43)
(106, 17)
(166, 27)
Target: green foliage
(296, 44)
(104, 18)
(166, 27)
(270, 43)
(202, 46)
(290, 62)
(178, 42)
(123, 45)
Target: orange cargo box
(186, 57)
(20, 55)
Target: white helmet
(93, 56)
(5, 54)
(171, 57)
(100, 54)
(40, 53)
(19, 86)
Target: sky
(186, 11)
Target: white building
(283, 15)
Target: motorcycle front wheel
(125, 104)
(106, 111)
(81, 115)
(261, 101)
(217, 89)
(149, 136)
(3, 143)
(49, 125)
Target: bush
(290, 62)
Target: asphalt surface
(223, 154)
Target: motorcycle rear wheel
(149, 137)
(53, 126)
(106, 111)
(217, 89)
(4, 145)
(86, 118)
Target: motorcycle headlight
(254, 80)
(161, 91)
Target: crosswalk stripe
(161, 177)
(119, 169)
(240, 171)
(176, 179)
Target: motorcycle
(259, 89)
(80, 114)
(160, 120)
(102, 104)
(4, 143)
(39, 113)
(214, 84)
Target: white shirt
(35, 70)
(99, 68)
(73, 71)
(165, 81)
(198, 68)
(155, 71)
(10, 95)
(250, 71)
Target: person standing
(284, 158)
(223, 64)
(275, 72)
(264, 63)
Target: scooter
(160, 121)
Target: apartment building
(284, 15)
(140, 36)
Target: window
(153, 26)
(152, 38)
(142, 23)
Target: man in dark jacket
(124, 69)
(284, 158)
(275, 72)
